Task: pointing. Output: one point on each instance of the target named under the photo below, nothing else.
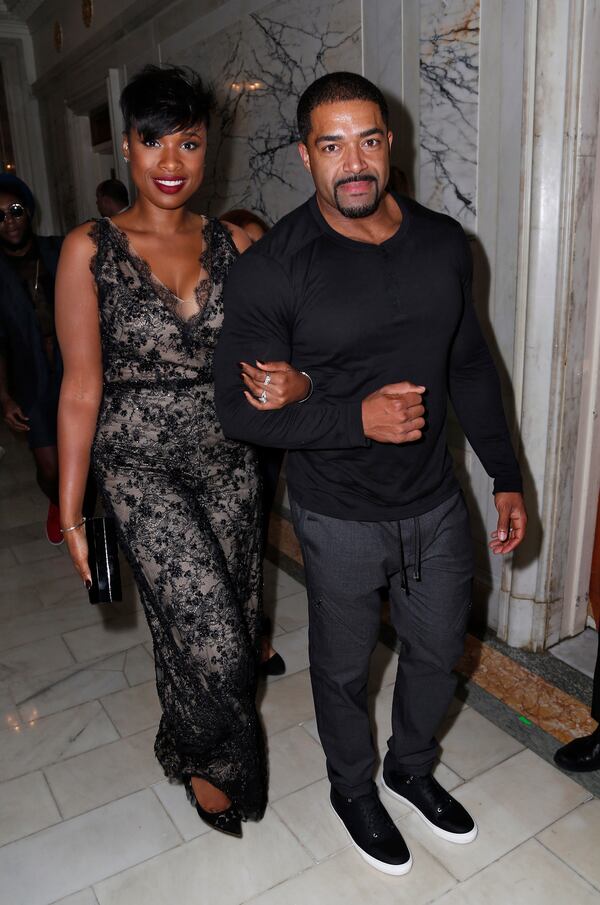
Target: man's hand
(394, 413)
(512, 523)
(13, 415)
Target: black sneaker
(373, 832)
(441, 812)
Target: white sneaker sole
(458, 838)
(395, 870)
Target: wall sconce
(252, 86)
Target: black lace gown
(186, 502)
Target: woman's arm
(287, 384)
(78, 332)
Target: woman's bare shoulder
(80, 241)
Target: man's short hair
(334, 87)
(114, 189)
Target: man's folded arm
(260, 312)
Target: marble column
(559, 162)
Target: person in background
(30, 362)
(272, 663)
(253, 225)
(112, 198)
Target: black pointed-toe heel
(228, 821)
(274, 666)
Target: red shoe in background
(53, 532)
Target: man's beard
(362, 210)
(23, 242)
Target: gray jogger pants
(426, 564)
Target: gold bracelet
(74, 527)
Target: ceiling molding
(23, 9)
(11, 26)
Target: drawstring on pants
(403, 579)
(417, 547)
(417, 555)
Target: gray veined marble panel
(259, 67)
(449, 65)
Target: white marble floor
(87, 819)
(579, 652)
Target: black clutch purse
(103, 560)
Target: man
(112, 197)
(369, 293)
(30, 363)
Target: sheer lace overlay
(186, 501)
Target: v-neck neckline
(165, 294)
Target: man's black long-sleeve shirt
(357, 316)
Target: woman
(139, 311)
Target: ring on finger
(267, 379)
(263, 397)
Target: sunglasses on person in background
(15, 211)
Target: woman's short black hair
(160, 101)
(333, 87)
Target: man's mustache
(367, 177)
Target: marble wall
(258, 67)
(449, 89)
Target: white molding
(23, 9)
(503, 34)
(114, 85)
(526, 195)
(587, 470)
(25, 126)
(506, 631)
(11, 27)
